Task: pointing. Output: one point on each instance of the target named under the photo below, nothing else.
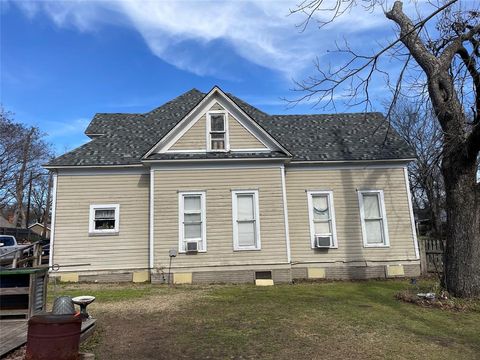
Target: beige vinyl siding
(195, 138)
(241, 138)
(344, 184)
(73, 245)
(218, 184)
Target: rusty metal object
(53, 337)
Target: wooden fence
(431, 255)
(22, 235)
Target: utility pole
(46, 214)
(28, 202)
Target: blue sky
(63, 61)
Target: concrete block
(182, 278)
(141, 276)
(69, 277)
(395, 270)
(316, 273)
(264, 282)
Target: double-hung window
(104, 219)
(322, 219)
(373, 218)
(217, 131)
(192, 222)
(246, 223)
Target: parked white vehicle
(8, 244)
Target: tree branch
(410, 37)
(456, 45)
(470, 63)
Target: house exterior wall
(72, 242)
(118, 257)
(344, 183)
(195, 138)
(218, 183)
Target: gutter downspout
(285, 213)
(52, 225)
(410, 208)
(152, 219)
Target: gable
(219, 109)
(196, 138)
(241, 138)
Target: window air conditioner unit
(323, 242)
(192, 247)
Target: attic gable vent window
(217, 131)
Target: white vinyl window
(217, 128)
(373, 218)
(322, 216)
(104, 219)
(192, 221)
(246, 222)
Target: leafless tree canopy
(22, 152)
(415, 122)
(436, 26)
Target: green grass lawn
(359, 320)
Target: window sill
(246, 249)
(325, 248)
(106, 233)
(375, 246)
(192, 252)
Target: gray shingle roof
(127, 137)
(338, 137)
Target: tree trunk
(462, 257)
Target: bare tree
(39, 198)
(10, 148)
(23, 151)
(417, 125)
(439, 54)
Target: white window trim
(227, 136)
(383, 214)
(331, 206)
(256, 209)
(181, 213)
(91, 222)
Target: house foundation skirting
(235, 274)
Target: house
(236, 194)
(37, 228)
(4, 223)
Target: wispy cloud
(56, 129)
(260, 32)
